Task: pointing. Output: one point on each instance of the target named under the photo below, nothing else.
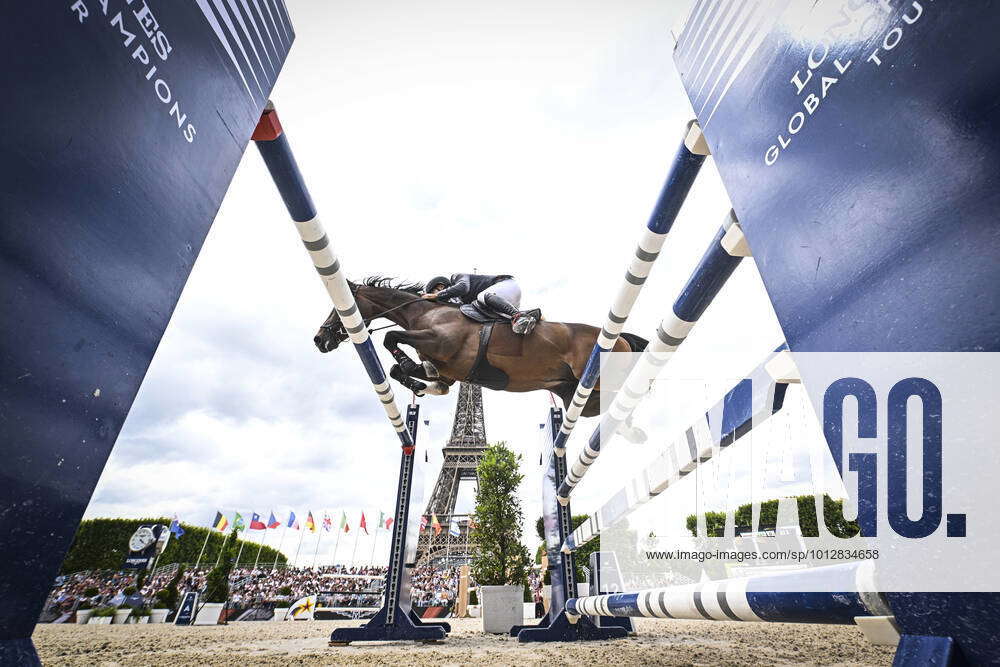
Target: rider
(499, 293)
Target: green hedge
(833, 513)
(102, 544)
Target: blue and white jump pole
(277, 153)
(687, 163)
(747, 405)
(762, 598)
(724, 254)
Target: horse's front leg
(392, 341)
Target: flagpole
(208, 534)
(263, 536)
(219, 557)
(281, 543)
(337, 544)
(371, 561)
(356, 538)
(319, 537)
(295, 561)
(240, 553)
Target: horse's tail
(637, 343)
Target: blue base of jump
(407, 626)
(928, 651)
(561, 629)
(20, 652)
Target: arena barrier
(687, 163)
(396, 619)
(749, 404)
(752, 598)
(721, 258)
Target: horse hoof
(430, 370)
(437, 388)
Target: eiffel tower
(461, 456)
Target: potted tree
(102, 616)
(83, 612)
(161, 606)
(500, 563)
(217, 584)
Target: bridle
(341, 332)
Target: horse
(454, 348)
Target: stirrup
(523, 324)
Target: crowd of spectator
(338, 586)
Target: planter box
(140, 619)
(121, 615)
(100, 620)
(83, 615)
(503, 608)
(209, 614)
(280, 613)
(529, 609)
(546, 596)
(474, 610)
(159, 616)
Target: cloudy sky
(521, 137)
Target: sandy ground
(305, 643)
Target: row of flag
(453, 528)
(222, 524)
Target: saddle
(484, 314)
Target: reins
(374, 317)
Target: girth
(483, 372)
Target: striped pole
(686, 165)
(753, 598)
(274, 148)
(747, 405)
(718, 263)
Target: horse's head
(331, 333)
(376, 297)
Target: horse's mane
(388, 282)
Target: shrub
(90, 592)
(85, 605)
(473, 597)
(101, 612)
(500, 558)
(833, 514)
(142, 611)
(161, 600)
(129, 590)
(285, 590)
(172, 594)
(217, 582)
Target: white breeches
(508, 290)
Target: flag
(423, 523)
(273, 522)
(221, 522)
(435, 524)
(327, 522)
(364, 524)
(175, 528)
(388, 522)
(454, 530)
(292, 523)
(238, 522)
(472, 524)
(256, 523)
(343, 522)
(381, 520)
(310, 523)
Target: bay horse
(454, 348)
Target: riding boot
(520, 323)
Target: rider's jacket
(467, 286)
